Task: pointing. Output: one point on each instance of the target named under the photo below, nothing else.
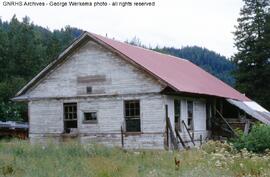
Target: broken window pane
(90, 117)
(70, 116)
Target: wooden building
(105, 91)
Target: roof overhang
(253, 109)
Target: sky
(177, 23)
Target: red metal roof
(178, 73)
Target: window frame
(72, 112)
(66, 120)
(90, 121)
(190, 127)
(179, 126)
(135, 117)
(89, 90)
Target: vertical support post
(247, 126)
(221, 106)
(193, 134)
(167, 126)
(200, 140)
(215, 107)
(29, 117)
(122, 137)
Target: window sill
(132, 133)
(89, 122)
(69, 135)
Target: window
(88, 90)
(177, 114)
(90, 117)
(132, 115)
(70, 116)
(190, 115)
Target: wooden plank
(179, 137)
(122, 137)
(231, 129)
(170, 133)
(91, 78)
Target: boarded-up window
(70, 116)
(190, 115)
(132, 115)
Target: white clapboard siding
(199, 115)
(45, 116)
(93, 60)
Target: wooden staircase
(176, 138)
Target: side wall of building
(46, 121)
(112, 80)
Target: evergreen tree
(3, 54)
(253, 48)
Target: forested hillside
(210, 61)
(26, 48)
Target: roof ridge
(142, 48)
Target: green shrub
(258, 140)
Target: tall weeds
(21, 159)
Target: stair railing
(180, 138)
(191, 138)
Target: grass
(21, 159)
